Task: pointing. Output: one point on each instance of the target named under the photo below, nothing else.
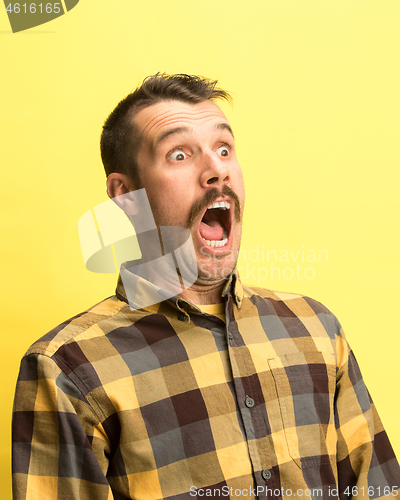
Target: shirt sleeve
(59, 446)
(367, 466)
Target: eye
(178, 155)
(223, 150)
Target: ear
(122, 190)
(118, 184)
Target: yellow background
(316, 117)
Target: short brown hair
(120, 138)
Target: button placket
(251, 413)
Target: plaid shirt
(167, 402)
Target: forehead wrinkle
(187, 118)
(173, 115)
(172, 118)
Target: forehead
(156, 119)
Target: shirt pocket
(305, 385)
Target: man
(219, 390)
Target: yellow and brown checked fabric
(167, 402)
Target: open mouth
(215, 226)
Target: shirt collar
(150, 295)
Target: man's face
(188, 163)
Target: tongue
(212, 230)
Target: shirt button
(182, 317)
(250, 403)
(230, 336)
(266, 474)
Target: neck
(203, 294)
(160, 269)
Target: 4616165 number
(32, 8)
(377, 491)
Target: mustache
(212, 195)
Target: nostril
(212, 180)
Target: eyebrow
(224, 126)
(181, 130)
(176, 130)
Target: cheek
(241, 194)
(172, 196)
(171, 210)
(239, 181)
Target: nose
(215, 171)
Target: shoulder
(294, 305)
(93, 323)
(295, 300)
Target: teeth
(219, 204)
(216, 243)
